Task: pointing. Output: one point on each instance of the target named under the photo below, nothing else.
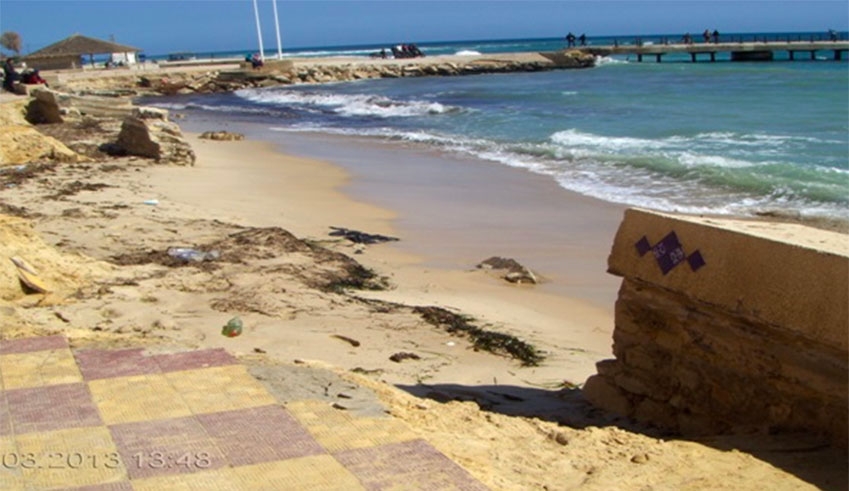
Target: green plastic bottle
(233, 328)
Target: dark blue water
(725, 137)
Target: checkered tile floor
(122, 419)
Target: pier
(739, 51)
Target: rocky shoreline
(228, 78)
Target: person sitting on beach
(33, 78)
(256, 61)
(9, 75)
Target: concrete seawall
(727, 326)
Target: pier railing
(758, 48)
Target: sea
(727, 138)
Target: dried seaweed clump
(494, 342)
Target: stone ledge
(788, 275)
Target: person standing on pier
(715, 36)
(583, 39)
(706, 36)
(570, 40)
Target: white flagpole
(277, 27)
(259, 33)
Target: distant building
(71, 53)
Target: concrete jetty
(740, 51)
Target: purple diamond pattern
(165, 447)
(643, 246)
(696, 261)
(414, 462)
(27, 345)
(51, 408)
(261, 434)
(669, 253)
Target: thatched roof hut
(68, 52)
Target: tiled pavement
(123, 419)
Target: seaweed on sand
(494, 342)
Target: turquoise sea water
(725, 137)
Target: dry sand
(233, 199)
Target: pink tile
(26, 345)
(51, 408)
(260, 434)
(166, 447)
(415, 461)
(190, 360)
(100, 364)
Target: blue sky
(163, 26)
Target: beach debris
(344, 395)
(640, 458)
(221, 136)
(367, 371)
(492, 341)
(560, 437)
(233, 328)
(399, 357)
(358, 237)
(514, 272)
(260, 351)
(341, 407)
(62, 317)
(188, 254)
(353, 342)
(28, 276)
(151, 202)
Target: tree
(11, 41)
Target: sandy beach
(98, 231)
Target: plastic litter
(151, 202)
(233, 328)
(188, 254)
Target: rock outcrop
(322, 71)
(148, 133)
(510, 270)
(221, 136)
(728, 326)
(20, 143)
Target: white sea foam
(467, 52)
(583, 172)
(347, 104)
(606, 60)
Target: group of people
(404, 51)
(11, 75)
(570, 40)
(706, 36)
(255, 60)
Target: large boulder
(22, 144)
(148, 133)
(46, 107)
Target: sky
(166, 26)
